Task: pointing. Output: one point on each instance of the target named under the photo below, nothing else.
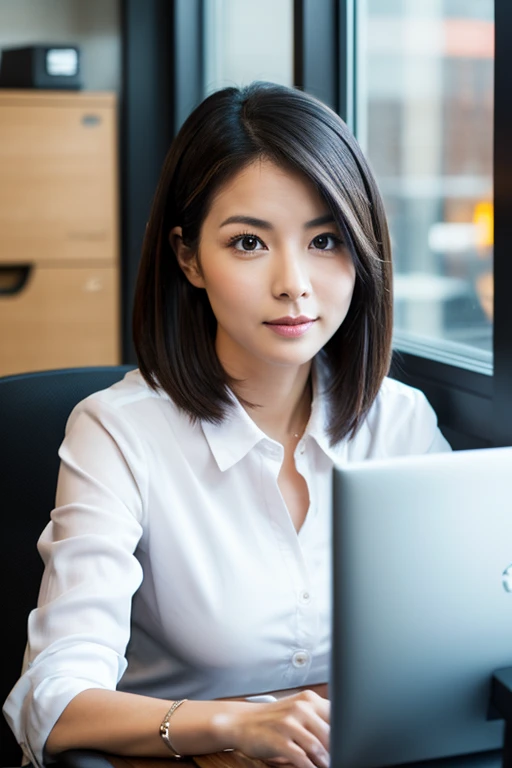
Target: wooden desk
(228, 760)
(238, 760)
(218, 760)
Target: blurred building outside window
(246, 41)
(424, 118)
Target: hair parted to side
(173, 324)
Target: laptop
(422, 612)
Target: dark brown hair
(173, 323)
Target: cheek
(230, 288)
(336, 285)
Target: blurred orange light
(483, 218)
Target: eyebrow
(250, 221)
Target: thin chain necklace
(298, 434)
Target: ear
(187, 258)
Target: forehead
(267, 189)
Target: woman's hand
(293, 730)
(321, 688)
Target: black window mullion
(502, 421)
(188, 46)
(162, 81)
(146, 128)
(346, 19)
(316, 49)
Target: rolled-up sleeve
(77, 635)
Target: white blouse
(172, 567)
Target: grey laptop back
(422, 614)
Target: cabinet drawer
(58, 179)
(60, 317)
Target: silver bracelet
(164, 727)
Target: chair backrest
(34, 408)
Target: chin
(296, 360)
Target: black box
(41, 66)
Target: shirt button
(302, 447)
(300, 658)
(304, 597)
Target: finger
(313, 718)
(316, 749)
(301, 759)
(317, 752)
(318, 703)
(319, 728)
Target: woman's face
(274, 266)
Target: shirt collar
(234, 437)
(237, 434)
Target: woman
(187, 559)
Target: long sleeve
(79, 631)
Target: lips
(291, 327)
(300, 320)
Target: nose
(291, 277)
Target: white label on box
(62, 61)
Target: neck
(278, 401)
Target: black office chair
(34, 408)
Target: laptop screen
(421, 611)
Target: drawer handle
(91, 119)
(13, 278)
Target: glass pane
(246, 41)
(425, 121)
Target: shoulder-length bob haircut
(173, 324)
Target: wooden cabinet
(59, 251)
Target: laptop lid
(422, 614)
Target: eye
(326, 242)
(246, 243)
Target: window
(424, 118)
(246, 41)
